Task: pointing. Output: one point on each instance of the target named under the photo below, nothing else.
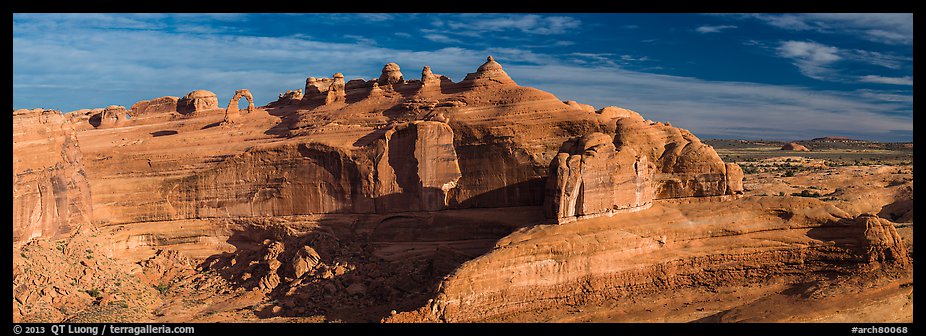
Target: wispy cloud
(877, 58)
(818, 61)
(906, 80)
(360, 39)
(440, 38)
(713, 29)
(476, 24)
(902, 97)
(888, 28)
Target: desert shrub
(806, 193)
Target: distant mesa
(836, 139)
(793, 146)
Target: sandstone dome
(198, 100)
(200, 94)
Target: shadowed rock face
(416, 168)
(592, 177)
(51, 195)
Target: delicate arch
(231, 112)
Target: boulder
(305, 260)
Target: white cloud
(713, 29)
(813, 59)
(906, 80)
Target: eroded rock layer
(606, 258)
(51, 194)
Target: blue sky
(750, 76)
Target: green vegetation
(750, 169)
(806, 193)
(162, 288)
(95, 293)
